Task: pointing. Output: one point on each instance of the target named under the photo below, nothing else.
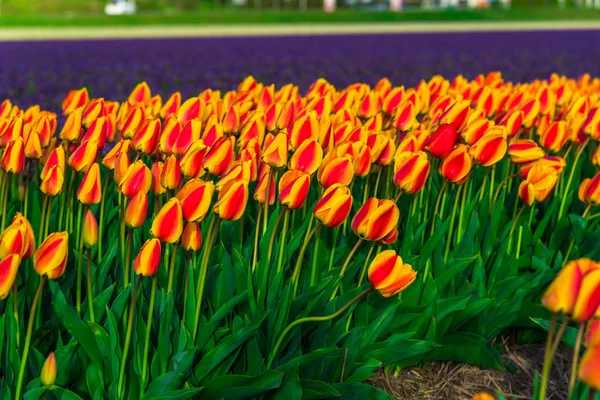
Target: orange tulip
(53, 181)
(51, 257)
(13, 159)
(406, 117)
(483, 396)
(110, 159)
(368, 106)
(83, 156)
(260, 193)
(195, 198)
(588, 297)
(307, 157)
(71, 131)
(220, 156)
(168, 223)
(19, 219)
(475, 130)
(293, 188)
(303, 129)
(456, 167)
(360, 155)
(540, 182)
(145, 139)
(375, 219)
(33, 147)
(558, 163)
(523, 151)
(134, 119)
(140, 93)
(171, 173)
(456, 115)
(171, 106)
(589, 369)
(286, 116)
(488, 150)
(90, 190)
(232, 200)
(231, 121)
(156, 187)
(9, 267)
(137, 178)
(189, 134)
(239, 170)
(190, 109)
(169, 135)
(336, 170)
(555, 136)
(97, 132)
(592, 336)
(48, 372)
(561, 295)
(192, 160)
(148, 259)
(14, 240)
(74, 100)
(334, 207)
(411, 171)
(56, 158)
(122, 164)
(275, 154)
(253, 129)
(389, 275)
(191, 239)
(589, 190)
(137, 208)
(442, 141)
(89, 232)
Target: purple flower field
(43, 72)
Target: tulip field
(266, 237)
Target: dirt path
(157, 31)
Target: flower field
(175, 228)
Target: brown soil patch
(454, 381)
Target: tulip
(48, 372)
(121, 167)
(260, 193)
(171, 173)
(523, 151)
(33, 147)
(561, 295)
(555, 136)
(140, 93)
(169, 135)
(137, 208)
(336, 170)
(456, 115)
(53, 181)
(540, 181)
(220, 156)
(334, 206)
(240, 170)
(293, 188)
(148, 259)
(558, 163)
(286, 116)
(89, 234)
(303, 129)
(359, 153)
(276, 153)
(592, 336)
(588, 297)
(192, 160)
(475, 130)
(171, 106)
(368, 106)
(51, 257)
(488, 150)
(145, 139)
(442, 141)
(375, 124)
(74, 100)
(589, 190)
(167, 225)
(73, 126)
(232, 200)
(110, 159)
(411, 171)
(156, 187)
(483, 396)
(231, 120)
(97, 132)
(9, 266)
(375, 219)
(406, 117)
(189, 134)
(134, 119)
(191, 239)
(393, 100)
(14, 240)
(253, 129)
(596, 157)
(13, 160)
(56, 158)
(90, 190)
(589, 369)
(307, 157)
(457, 165)
(190, 109)
(19, 219)
(137, 178)
(83, 156)
(195, 198)
(389, 275)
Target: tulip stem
(585, 213)
(377, 181)
(563, 201)
(437, 205)
(212, 235)
(256, 233)
(43, 216)
(344, 267)
(266, 205)
(514, 225)
(272, 240)
(313, 271)
(127, 258)
(452, 221)
(191, 262)
(497, 194)
(48, 214)
(547, 360)
(128, 337)
(79, 265)
(575, 362)
(296, 274)
(15, 291)
(282, 243)
(336, 232)
(101, 227)
(398, 196)
(90, 292)
(466, 193)
(38, 294)
(7, 179)
(364, 270)
(313, 319)
(26, 200)
(172, 269)
(148, 332)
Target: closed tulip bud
(375, 219)
(156, 187)
(133, 121)
(389, 275)
(212, 132)
(74, 100)
(592, 335)
(240, 170)
(475, 130)
(368, 106)
(488, 150)
(90, 190)
(523, 151)
(232, 200)
(137, 178)
(168, 223)
(375, 123)
(293, 188)
(51, 257)
(442, 141)
(558, 163)
(456, 167)
(14, 131)
(192, 160)
(555, 136)
(121, 166)
(456, 115)
(145, 139)
(190, 109)
(13, 160)
(189, 134)
(386, 157)
(171, 106)
(48, 372)
(195, 198)
(271, 115)
(411, 171)
(231, 120)
(14, 240)
(171, 173)
(89, 233)
(303, 129)
(483, 396)
(589, 369)
(406, 117)
(260, 193)
(359, 153)
(137, 208)
(275, 154)
(53, 181)
(97, 132)
(140, 93)
(148, 259)
(286, 116)
(83, 156)
(336, 170)
(72, 129)
(589, 190)
(540, 182)
(191, 239)
(334, 207)
(307, 157)
(253, 129)
(110, 159)
(561, 295)
(55, 159)
(33, 147)
(588, 297)
(19, 219)
(9, 266)
(220, 156)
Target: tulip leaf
(290, 388)
(432, 243)
(33, 394)
(238, 387)
(164, 331)
(115, 351)
(569, 337)
(308, 359)
(63, 394)
(349, 391)
(466, 348)
(101, 301)
(224, 281)
(181, 394)
(175, 379)
(313, 389)
(364, 371)
(103, 269)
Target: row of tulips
(143, 173)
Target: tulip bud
(456, 167)
(48, 372)
(90, 190)
(134, 119)
(56, 158)
(110, 159)
(406, 117)
(275, 154)
(192, 160)
(51, 257)
(140, 93)
(189, 134)
(73, 126)
(97, 132)
(589, 369)
(33, 147)
(220, 156)
(171, 173)
(359, 153)
(307, 157)
(540, 181)
(442, 141)
(171, 106)
(375, 219)
(488, 150)
(14, 240)
(9, 266)
(389, 275)
(191, 109)
(483, 396)
(293, 189)
(19, 219)
(135, 213)
(83, 156)
(148, 259)
(191, 239)
(137, 178)
(555, 136)
(303, 129)
(334, 207)
(588, 297)
(89, 233)
(592, 336)
(74, 100)
(156, 187)
(286, 116)
(336, 170)
(52, 183)
(145, 139)
(195, 198)
(232, 200)
(475, 130)
(231, 120)
(13, 160)
(411, 171)
(253, 129)
(368, 106)
(168, 223)
(260, 193)
(589, 190)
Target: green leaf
(351, 391)
(313, 389)
(164, 331)
(101, 301)
(208, 329)
(33, 394)
(569, 337)
(237, 387)
(103, 269)
(466, 348)
(63, 394)
(175, 379)
(308, 359)
(290, 388)
(224, 281)
(181, 394)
